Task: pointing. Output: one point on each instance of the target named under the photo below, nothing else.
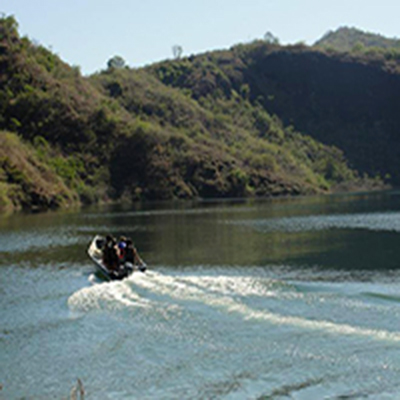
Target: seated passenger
(130, 252)
(105, 251)
(132, 256)
(110, 256)
(122, 248)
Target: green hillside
(348, 100)
(348, 39)
(26, 181)
(200, 127)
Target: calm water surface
(280, 299)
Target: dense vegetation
(348, 39)
(349, 100)
(26, 180)
(224, 124)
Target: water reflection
(246, 299)
(358, 231)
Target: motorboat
(125, 269)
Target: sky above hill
(87, 33)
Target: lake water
(275, 299)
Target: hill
(222, 124)
(348, 100)
(348, 39)
(27, 182)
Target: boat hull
(95, 254)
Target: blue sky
(89, 32)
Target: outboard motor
(128, 267)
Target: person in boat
(122, 248)
(105, 251)
(110, 255)
(131, 254)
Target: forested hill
(348, 39)
(230, 123)
(349, 100)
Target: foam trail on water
(109, 295)
(216, 291)
(321, 325)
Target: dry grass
(78, 391)
(25, 181)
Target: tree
(358, 47)
(116, 62)
(9, 23)
(270, 38)
(177, 51)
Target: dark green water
(280, 299)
